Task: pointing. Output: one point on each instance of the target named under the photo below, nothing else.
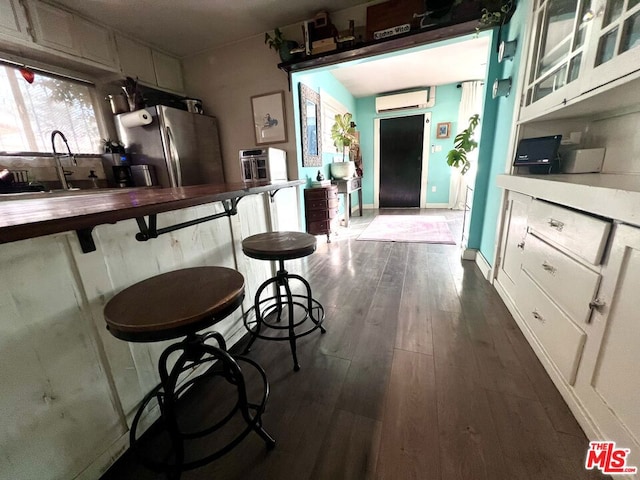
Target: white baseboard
(469, 254)
(437, 205)
(589, 427)
(483, 265)
(101, 464)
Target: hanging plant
(343, 132)
(496, 14)
(464, 143)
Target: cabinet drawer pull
(597, 303)
(521, 245)
(538, 317)
(557, 224)
(549, 268)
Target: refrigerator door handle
(174, 158)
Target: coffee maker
(122, 176)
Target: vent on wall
(406, 101)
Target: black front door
(401, 161)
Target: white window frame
(329, 108)
(95, 100)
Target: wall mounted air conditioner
(406, 101)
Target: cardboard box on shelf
(324, 49)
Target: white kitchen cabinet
(149, 66)
(556, 55)
(515, 232)
(608, 382)
(96, 42)
(614, 43)
(136, 60)
(53, 27)
(13, 20)
(560, 338)
(569, 229)
(576, 48)
(572, 284)
(559, 281)
(168, 71)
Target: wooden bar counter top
(38, 214)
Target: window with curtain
(29, 112)
(329, 108)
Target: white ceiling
(187, 27)
(435, 66)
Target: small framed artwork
(443, 130)
(269, 121)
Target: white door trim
(426, 142)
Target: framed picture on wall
(269, 121)
(443, 130)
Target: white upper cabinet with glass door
(557, 52)
(613, 46)
(13, 20)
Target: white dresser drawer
(560, 337)
(569, 283)
(582, 234)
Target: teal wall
(439, 173)
(320, 80)
(486, 211)
(496, 128)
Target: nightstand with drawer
(320, 208)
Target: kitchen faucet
(62, 174)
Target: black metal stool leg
(309, 301)
(254, 334)
(194, 352)
(292, 333)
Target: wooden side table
(320, 208)
(346, 188)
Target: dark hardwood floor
(422, 374)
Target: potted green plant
(464, 143)
(281, 45)
(343, 134)
(496, 12)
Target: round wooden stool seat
(279, 245)
(180, 304)
(265, 319)
(174, 304)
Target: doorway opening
(401, 160)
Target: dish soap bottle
(94, 178)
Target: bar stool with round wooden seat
(264, 320)
(181, 304)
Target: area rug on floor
(408, 228)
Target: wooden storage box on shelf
(392, 14)
(320, 208)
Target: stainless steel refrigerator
(183, 147)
